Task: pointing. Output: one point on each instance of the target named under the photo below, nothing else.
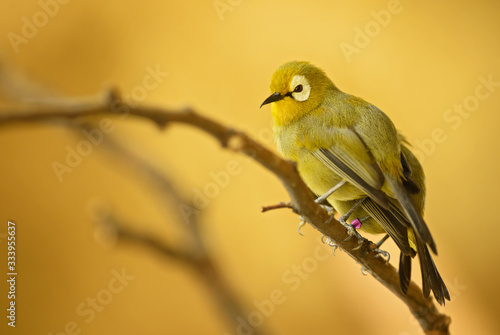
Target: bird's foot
(326, 240)
(351, 230)
(302, 223)
(382, 254)
(329, 209)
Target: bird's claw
(360, 241)
(301, 224)
(382, 254)
(327, 240)
(364, 270)
(350, 229)
(333, 245)
(329, 209)
(351, 232)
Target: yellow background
(427, 58)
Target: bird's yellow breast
(296, 142)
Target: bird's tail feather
(431, 279)
(404, 272)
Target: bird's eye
(299, 88)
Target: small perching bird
(350, 153)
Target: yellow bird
(349, 152)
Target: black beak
(272, 98)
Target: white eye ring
(306, 88)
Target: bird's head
(297, 88)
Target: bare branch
(276, 206)
(201, 264)
(127, 235)
(195, 256)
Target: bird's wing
(407, 179)
(351, 160)
(393, 222)
(392, 164)
(415, 217)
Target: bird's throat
(285, 116)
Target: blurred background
(431, 66)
